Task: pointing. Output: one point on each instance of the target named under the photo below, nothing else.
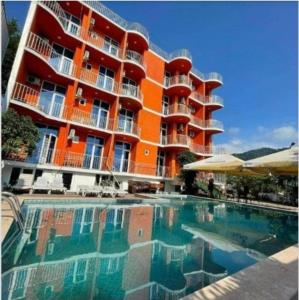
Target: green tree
(14, 39)
(188, 176)
(19, 134)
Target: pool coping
(275, 278)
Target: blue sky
(252, 44)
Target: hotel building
(106, 99)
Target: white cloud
(263, 137)
(284, 133)
(233, 130)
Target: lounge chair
(57, 184)
(90, 190)
(41, 184)
(109, 190)
(120, 192)
(23, 183)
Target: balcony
(197, 123)
(57, 11)
(127, 130)
(176, 141)
(180, 60)
(97, 80)
(30, 98)
(84, 161)
(163, 171)
(132, 95)
(139, 34)
(99, 42)
(44, 50)
(206, 150)
(178, 84)
(178, 112)
(210, 101)
(134, 63)
(89, 119)
(214, 125)
(213, 80)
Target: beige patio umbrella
(222, 163)
(281, 163)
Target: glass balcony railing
(177, 109)
(179, 139)
(180, 53)
(131, 91)
(177, 80)
(135, 57)
(127, 126)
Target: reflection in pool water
(97, 251)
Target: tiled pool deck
(275, 278)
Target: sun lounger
(23, 183)
(41, 184)
(120, 192)
(109, 190)
(57, 185)
(90, 190)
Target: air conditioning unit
(33, 80)
(92, 22)
(86, 55)
(79, 92)
(72, 134)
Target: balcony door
(93, 152)
(51, 99)
(129, 87)
(106, 78)
(165, 105)
(163, 133)
(62, 59)
(125, 120)
(111, 46)
(121, 157)
(100, 111)
(72, 24)
(161, 163)
(48, 148)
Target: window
(111, 46)
(140, 232)
(165, 105)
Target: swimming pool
(91, 250)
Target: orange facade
(110, 94)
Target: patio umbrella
(281, 163)
(222, 163)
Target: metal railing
(178, 80)
(180, 53)
(178, 109)
(129, 127)
(180, 139)
(25, 94)
(212, 123)
(59, 62)
(214, 76)
(197, 122)
(140, 29)
(131, 91)
(84, 161)
(209, 150)
(206, 100)
(135, 57)
(198, 73)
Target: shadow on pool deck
(275, 278)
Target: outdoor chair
(42, 184)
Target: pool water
(93, 250)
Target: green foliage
(256, 153)
(188, 176)
(17, 132)
(14, 38)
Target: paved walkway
(275, 278)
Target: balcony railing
(98, 40)
(103, 82)
(197, 122)
(131, 91)
(59, 62)
(140, 29)
(135, 57)
(57, 10)
(84, 161)
(180, 53)
(25, 94)
(177, 80)
(207, 100)
(214, 124)
(180, 139)
(208, 150)
(214, 76)
(90, 119)
(177, 109)
(127, 127)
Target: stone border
(275, 278)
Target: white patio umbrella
(281, 163)
(222, 163)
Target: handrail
(15, 207)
